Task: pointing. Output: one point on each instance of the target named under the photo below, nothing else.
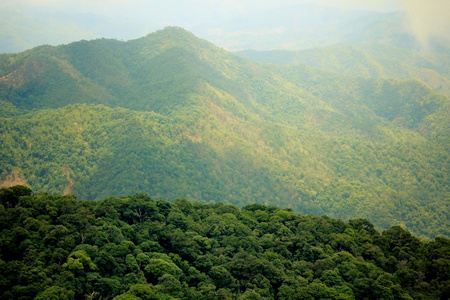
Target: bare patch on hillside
(24, 73)
(70, 182)
(11, 178)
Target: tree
(108, 287)
(80, 260)
(171, 285)
(143, 291)
(158, 267)
(126, 296)
(9, 197)
(55, 293)
(222, 278)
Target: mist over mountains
(258, 25)
(174, 116)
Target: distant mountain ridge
(266, 27)
(369, 60)
(174, 116)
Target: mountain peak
(173, 33)
(175, 29)
(177, 37)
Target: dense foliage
(173, 116)
(55, 247)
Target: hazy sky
(228, 4)
(429, 18)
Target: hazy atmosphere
(205, 149)
(233, 25)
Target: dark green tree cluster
(57, 247)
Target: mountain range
(368, 60)
(288, 25)
(174, 116)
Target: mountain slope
(368, 60)
(174, 116)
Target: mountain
(174, 116)
(368, 60)
(303, 26)
(288, 25)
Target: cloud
(428, 19)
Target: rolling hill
(174, 116)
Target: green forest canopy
(57, 247)
(174, 116)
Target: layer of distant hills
(346, 131)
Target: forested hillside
(57, 247)
(368, 60)
(174, 116)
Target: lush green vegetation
(57, 247)
(369, 60)
(174, 116)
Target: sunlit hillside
(174, 116)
